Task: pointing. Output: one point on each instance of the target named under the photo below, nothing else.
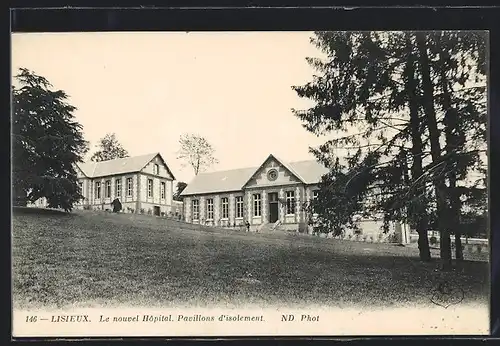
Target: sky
(233, 88)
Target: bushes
(393, 238)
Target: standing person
(117, 206)
(248, 226)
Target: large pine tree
(383, 96)
(366, 90)
(459, 72)
(47, 142)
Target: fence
(472, 245)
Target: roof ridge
(212, 182)
(120, 165)
(310, 160)
(287, 166)
(120, 158)
(256, 167)
(228, 170)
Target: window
(315, 194)
(256, 205)
(80, 189)
(225, 207)
(162, 190)
(150, 187)
(196, 209)
(210, 209)
(290, 202)
(239, 206)
(315, 197)
(156, 169)
(118, 187)
(129, 187)
(97, 189)
(107, 193)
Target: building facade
(269, 196)
(143, 184)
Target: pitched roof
(117, 166)
(283, 163)
(309, 172)
(232, 180)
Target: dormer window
(156, 169)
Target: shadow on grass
(16, 210)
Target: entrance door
(156, 210)
(273, 207)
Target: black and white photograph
(250, 183)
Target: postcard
(250, 184)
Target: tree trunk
(196, 167)
(423, 244)
(419, 212)
(445, 251)
(20, 202)
(455, 210)
(439, 182)
(20, 198)
(459, 254)
(451, 148)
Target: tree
(364, 90)
(404, 102)
(179, 188)
(197, 152)
(418, 213)
(459, 70)
(109, 149)
(46, 144)
(436, 150)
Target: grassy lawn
(91, 259)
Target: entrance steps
(268, 227)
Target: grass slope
(98, 259)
